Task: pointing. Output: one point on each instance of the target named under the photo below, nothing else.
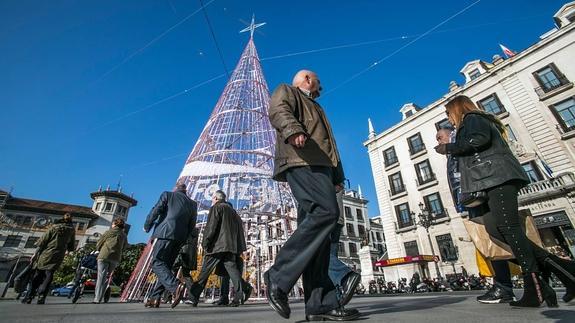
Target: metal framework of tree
(235, 153)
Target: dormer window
(474, 74)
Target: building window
(492, 104)
(98, 206)
(549, 78)
(447, 249)
(424, 172)
(565, 114)
(350, 230)
(352, 249)
(361, 231)
(474, 74)
(27, 221)
(510, 133)
(81, 226)
(403, 215)
(415, 144)
(443, 124)
(396, 183)
(433, 204)
(411, 248)
(121, 209)
(378, 236)
(532, 172)
(340, 249)
(389, 156)
(12, 241)
(347, 210)
(31, 242)
(108, 207)
(359, 215)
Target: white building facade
(533, 95)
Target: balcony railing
(550, 188)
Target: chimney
(497, 59)
(453, 86)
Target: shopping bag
(492, 248)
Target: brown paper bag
(492, 248)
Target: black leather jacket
(485, 160)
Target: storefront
(419, 261)
(557, 233)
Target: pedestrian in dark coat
(110, 246)
(173, 218)
(487, 164)
(223, 241)
(308, 159)
(502, 289)
(52, 248)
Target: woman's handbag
(494, 249)
(473, 199)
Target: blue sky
(83, 83)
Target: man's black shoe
(338, 314)
(234, 304)
(348, 286)
(497, 295)
(276, 297)
(177, 297)
(247, 293)
(221, 302)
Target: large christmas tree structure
(235, 153)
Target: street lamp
(426, 220)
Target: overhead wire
(214, 38)
(373, 65)
(150, 43)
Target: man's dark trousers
(209, 264)
(164, 254)
(225, 281)
(307, 251)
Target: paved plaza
(423, 308)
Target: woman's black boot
(565, 271)
(535, 292)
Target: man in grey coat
(223, 242)
(173, 218)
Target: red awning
(406, 260)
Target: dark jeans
(163, 256)
(502, 273)
(306, 253)
(209, 264)
(337, 269)
(41, 283)
(503, 224)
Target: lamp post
(426, 220)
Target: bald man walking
(307, 158)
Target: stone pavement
(421, 308)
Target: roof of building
(116, 194)
(20, 204)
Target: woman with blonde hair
(487, 164)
